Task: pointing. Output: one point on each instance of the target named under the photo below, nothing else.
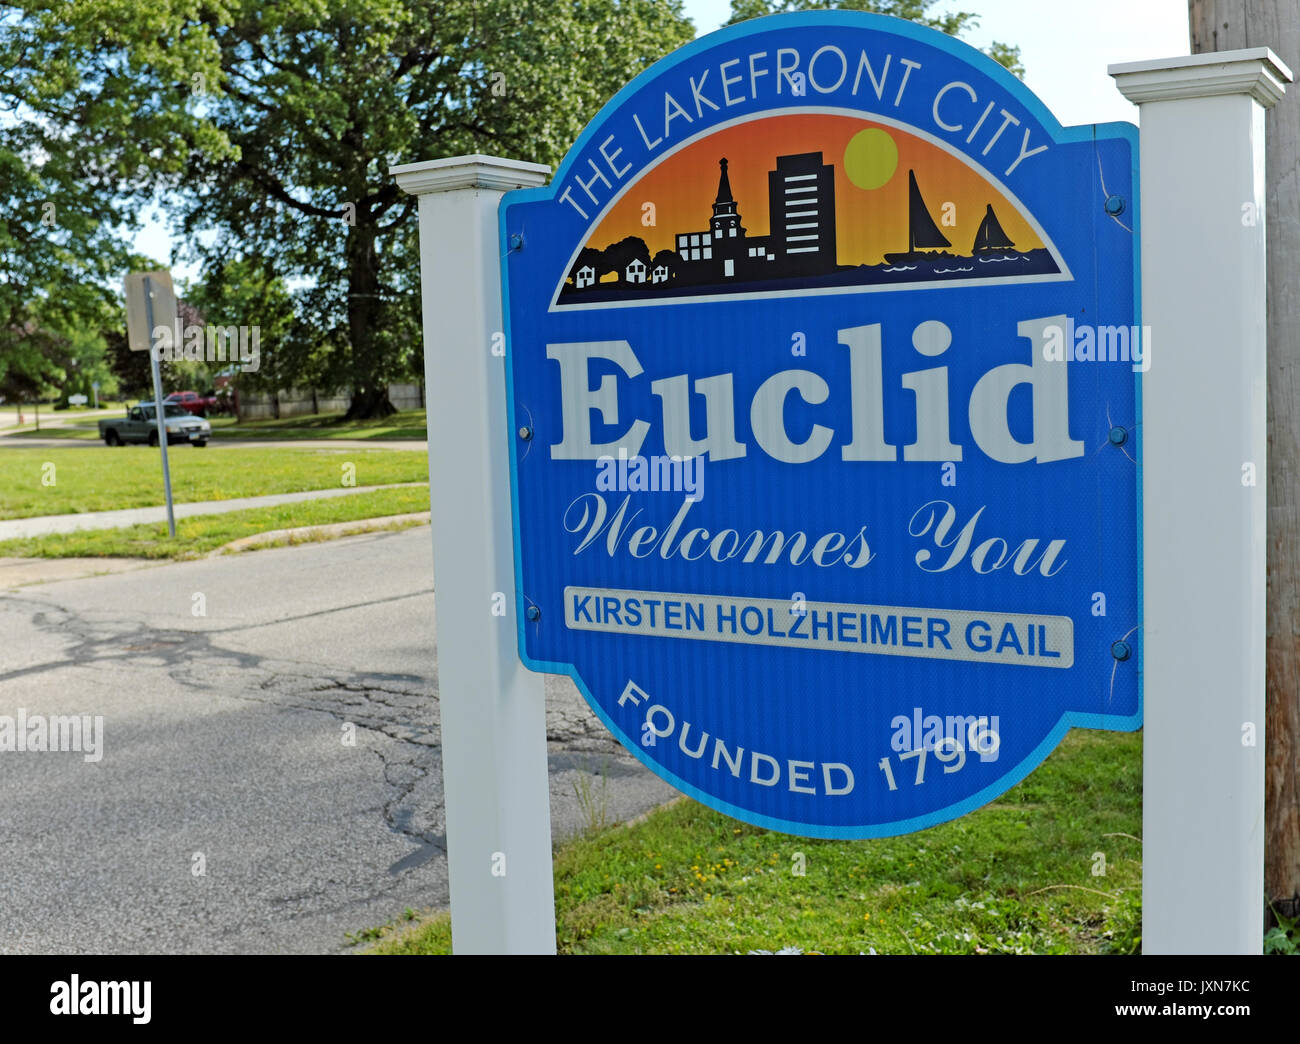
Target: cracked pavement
(285, 742)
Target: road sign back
(823, 348)
(150, 303)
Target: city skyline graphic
(804, 200)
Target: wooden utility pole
(1222, 25)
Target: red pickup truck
(193, 402)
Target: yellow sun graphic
(870, 158)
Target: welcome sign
(823, 349)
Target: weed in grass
(365, 935)
(395, 936)
(1123, 926)
(593, 798)
(423, 933)
(1283, 937)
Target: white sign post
(493, 710)
(1204, 441)
(149, 300)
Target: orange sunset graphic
(805, 201)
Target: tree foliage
(239, 290)
(82, 152)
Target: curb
(314, 534)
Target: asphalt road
(223, 751)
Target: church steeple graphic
(724, 187)
(725, 222)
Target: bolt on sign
(823, 350)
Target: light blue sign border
(1059, 134)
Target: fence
(297, 402)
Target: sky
(1064, 47)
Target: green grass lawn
(409, 424)
(197, 536)
(82, 423)
(87, 431)
(98, 478)
(1014, 877)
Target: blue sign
(823, 348)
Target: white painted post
(159, 409)
(1204, 443)
(493, 709)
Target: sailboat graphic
(922, 233)
(990, 235)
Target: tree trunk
(370, 382)
(370, 402)
(1225, 25)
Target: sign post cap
(473, 172)
(1256, 71)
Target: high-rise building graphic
(801, 208)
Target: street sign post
(492, 711)
(823, 350)
(150, 300)
(1204, 289)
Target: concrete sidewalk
(16, 528)
(20, 572)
